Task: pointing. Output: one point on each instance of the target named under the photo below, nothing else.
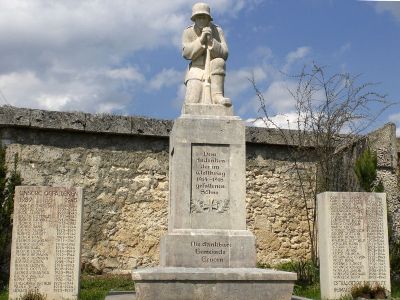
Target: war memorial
(214, 234)
(207, 252)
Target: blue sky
(124, 56)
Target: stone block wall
(125, 191)
(276, 211)
(122, 165)
(384, 143)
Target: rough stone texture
(76, 121)
(45, 253)
(125, 194)
(275, 207)
(55, 120)
(213, 283)
(108, 123)
(10, 115)
(384, 142)
(353, 241)
(125, 183)
(274, 137)
(79, 121)
(398, 150)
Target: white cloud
(269, 74)
(231, 8)
(387, 6)
(396, 119)
(166, 77)
(83, 91)
(73, 54)
(237, 81)
(125, 73)
(262, 54)
(180, 97)
(343, 49)
(284, 121)
(278, 96)
(295, 56)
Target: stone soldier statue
(204, 44)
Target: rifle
(206, 99)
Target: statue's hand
(205, 37)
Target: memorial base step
(121, 295)
(213, 283)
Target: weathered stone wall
(385, 144)
(276, 211)
(122, 165)
(125, 190)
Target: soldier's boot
(217, 82)
(217, 90)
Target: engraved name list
(46, 241)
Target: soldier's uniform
(196, 52)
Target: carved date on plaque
(210, 178)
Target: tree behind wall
(366, 171)
(7, 187)
(331, 113)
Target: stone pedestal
(213, 283)
(208, 253)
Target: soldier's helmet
(201, 9)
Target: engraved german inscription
(210, 178)
(357, 240)
(46, 241)
(211, 252)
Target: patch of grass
(307, 272)
(96, 287)
(395, 289)
(311, 292)
(3, 295)
(92, 295)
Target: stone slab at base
(121, 295)
(213, 283)
(132, 296)
(206, 110)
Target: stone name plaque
(353, 241)
(45, 253)
(210, 179)
(209, 251)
